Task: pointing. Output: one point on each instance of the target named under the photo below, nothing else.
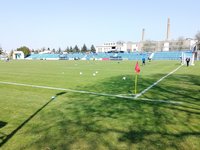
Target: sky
(61, 23)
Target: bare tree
(180, 43)
(148, 46)
(1, 50)
(10, 54)
(197, 36)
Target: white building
(106, 47)
(45, 52)
(117, 47)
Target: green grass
(84, 121)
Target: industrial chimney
(143, 31)
(168, 29)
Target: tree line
(70, 49)
(197, 36)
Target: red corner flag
(137, 68)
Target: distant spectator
(187, 61)
(143, 61)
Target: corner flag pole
(137, 71)
(136, 83)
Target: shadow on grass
(166, 90)
(2, 135)
(85, 121)
(2, 124)
(8, 137)
(118, 85)
(178, 88)
(111, 123)
(135, 136)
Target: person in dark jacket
(187, 61)
(143, 61)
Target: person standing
(143, 61)
(187, 61)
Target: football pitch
(92, 105)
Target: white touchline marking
(93, 93)
(163, 101)
(126, 94)
(144, 91)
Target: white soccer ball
(53, 97)
(124, 78)
(81, 73)
(96, 71)
(94, 74)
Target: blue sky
(62, 23)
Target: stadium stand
(167, 55)
(43, 57)
(172, 55)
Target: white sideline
(87, 92)
(144, 91)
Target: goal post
(188, 55)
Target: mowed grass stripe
(87, 92)
(50, 73)
(155, 83)
(86, 121)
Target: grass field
(31, 119)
